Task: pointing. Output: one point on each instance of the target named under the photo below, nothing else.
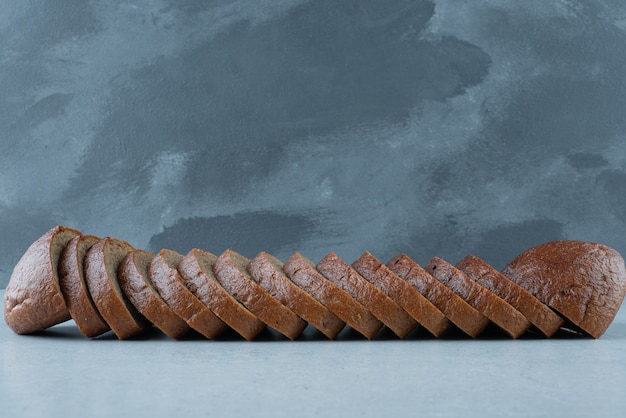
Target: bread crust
(405, 295)
(267, 271)
(585, 282)
(134, 282)
(303, 273)
(101, 264)
(540, 315)
(458, 311)
(164, 276)
(74, 287)
(379, 304)
(493, 307)
(196, 270)
(230, 269)
(33, 300)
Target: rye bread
(303, 273)
(101, 263)
(585, 282)
(32, 299)
(134, 282)
(379, 304)
(493, 307)
(164, 276)
(405, 295)
(458, 311)
(196, 270)
(540, 315)
(74, 287)
(267, 271)
(230, 269)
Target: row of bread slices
(106, 284)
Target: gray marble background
(425, 127)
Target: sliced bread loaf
(164, 275)
(379, 304)
(134, 281)
(231, 270)
(539, 314)
(267, 271)
(74, 287)
(101, 263)
(405, 295)
(196, 270)
(458, 311)
(303, 273)
(489, 304)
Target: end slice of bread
(33, 300)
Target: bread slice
(32, 299)
(230, 269)
(379, 304)
(134, 282)
(74, 287)
(405, 295)
(585, 282)
(458, 311)
(101, 264)
(267, 271)
(196, 270)
(496, 309)
(540, 315)
(303, 273)
(164, 275)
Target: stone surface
(425, 127)
(60, 373)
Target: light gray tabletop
(61, 373)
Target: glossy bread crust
(583, 281)
(33, 300)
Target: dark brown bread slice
(303, 273)
(459, 312)
(267, 271)
(380, 305)
(196, 270)
(540, 315)
(230, 269)
(164, 275)
(583, 281)
(74, 288)
(101, 264)
(32, 299)
(493, 307)
(405, 295)
(134, 282)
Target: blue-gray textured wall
(425, 127)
